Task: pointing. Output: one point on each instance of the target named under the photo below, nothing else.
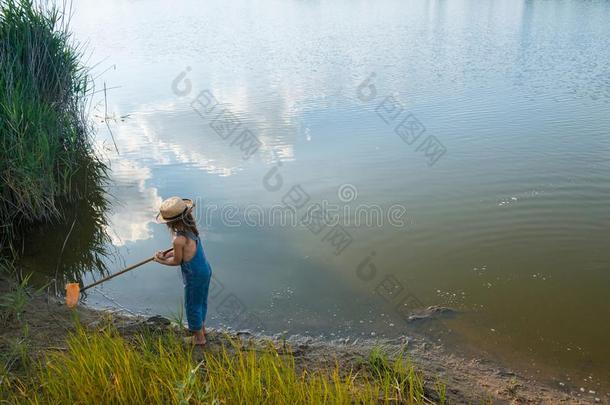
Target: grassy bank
(46, 157)
(104, 367)
(49, 354)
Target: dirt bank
(468, 380)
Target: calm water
(510, 226)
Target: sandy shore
(468, 379)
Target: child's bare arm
(173, 258)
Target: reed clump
(106, 368)
(46, 154)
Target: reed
(106, 368)
(46, 154)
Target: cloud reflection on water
(130, 222)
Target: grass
(46, 156)
(400, 373)
(104, 367)
(15, 355)
(12, 303)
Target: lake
(355, 162)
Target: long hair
(185, 223)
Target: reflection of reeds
(77, 243)
(48, 170)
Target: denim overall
(196, 275)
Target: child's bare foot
(198, 338)
(195, 340)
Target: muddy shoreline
(469, 379)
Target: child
(188, 254)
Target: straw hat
(174, 208)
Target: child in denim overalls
(188, 254)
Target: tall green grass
(46, 156)
(106, 368)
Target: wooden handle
(123, 271)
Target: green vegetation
(12, 304)
(104, 367)
(46, 157)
